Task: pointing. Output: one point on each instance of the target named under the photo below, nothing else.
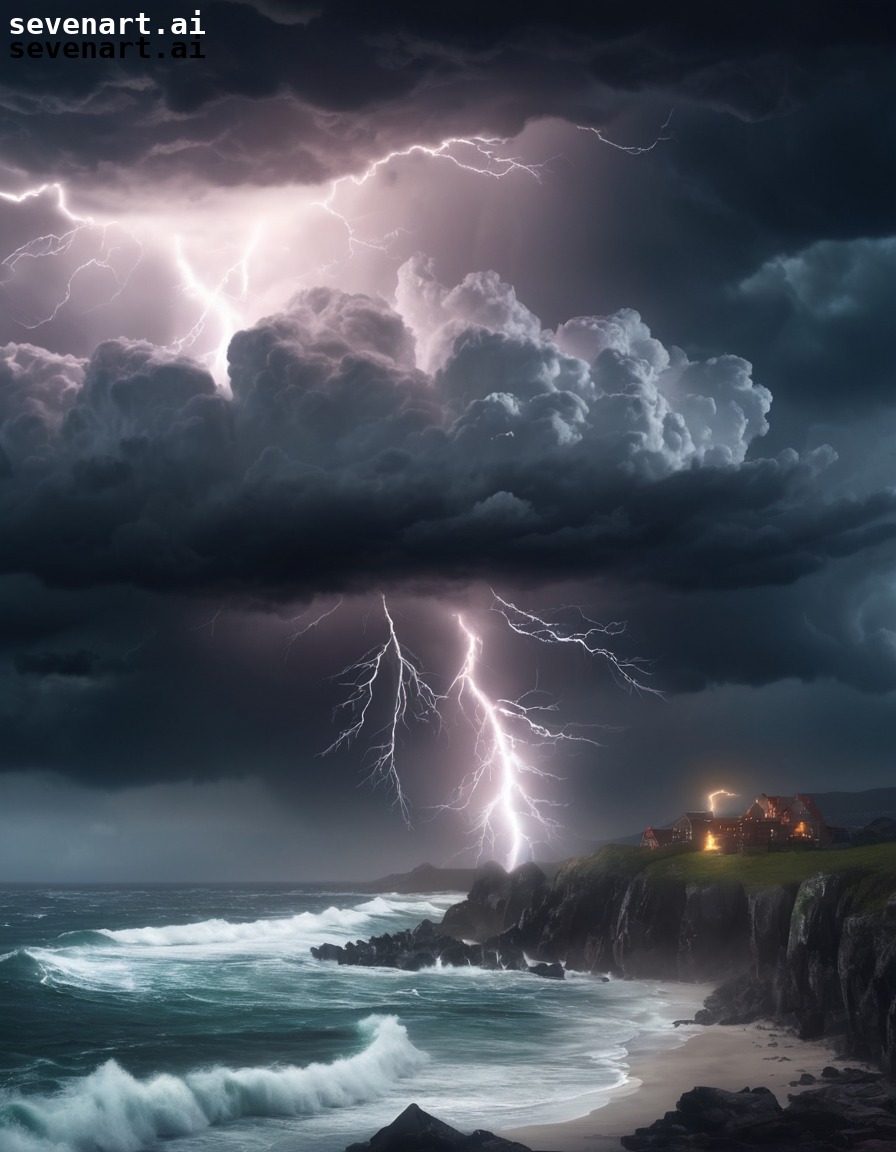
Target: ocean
(193, 1018)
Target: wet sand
(733, 1057)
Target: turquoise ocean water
(194, 1018)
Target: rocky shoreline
(426, 947)
(816, 956)
(850, 1110)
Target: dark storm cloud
(311, 99)
(339, 464)
(826, 310)
(78, 664)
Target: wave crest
(111, 1111)
(233, 932)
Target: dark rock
(714, 933)
(648, 930)
(739, 1000)
(855, 1113)
(496, 902)
(327, 952)
(416, 1131)
(706, 1109)
(863, 1101)
(424, 947)
(549, 971)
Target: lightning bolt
(211, 623)
(506, 732)
(57, 245)
(504, 789)
(719, 792)
(488, 160)
(218, 302)
(299, 628)
(632, 149)
(411, 697)
(220, 299)
(629, 673)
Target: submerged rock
(549, 971)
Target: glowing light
(218, 303)
(719, 792)
(222, 298)
(491, 164)
(710, 845)
(506, 730)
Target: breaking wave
(111, 1111)
(304, 924)
(230, 932)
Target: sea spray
(360, 918)
(112, 1111)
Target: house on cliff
(783, 819)
(657, 837)
(792, 821)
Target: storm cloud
(336, 463)
(345, 82)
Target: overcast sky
(589, 309)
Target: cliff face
(808, 952)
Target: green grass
(872, 868)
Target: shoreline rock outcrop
(417, 1131)
(817, 955)
(807, 954)
(851, 1109)
(426, 947)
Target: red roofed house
(793, 820)
(658, 837)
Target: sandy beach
(733, 1057)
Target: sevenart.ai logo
(107, 37)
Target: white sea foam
(112, 1111)
(304, 928)
(234, 932)
(390, 905)
(81, 971)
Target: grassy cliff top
(873, 867)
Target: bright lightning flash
(219, 303)
(719, 792)
(482, 155)
(506, 731)
(223, 298)
(501, 791)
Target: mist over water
(197, 1017)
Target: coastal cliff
(806, 938)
